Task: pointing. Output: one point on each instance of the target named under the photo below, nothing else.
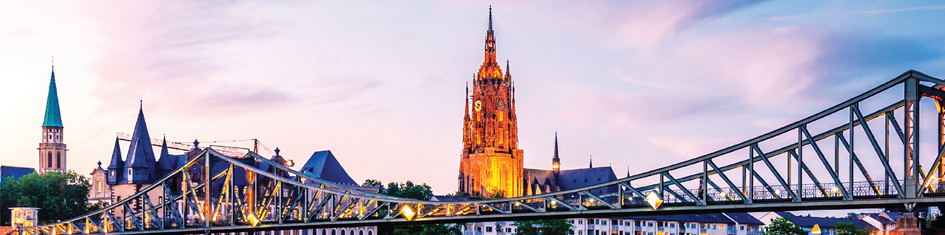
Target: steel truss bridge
(862, 153)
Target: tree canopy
(403, 190)
(847, 228)
(783, 226)
(59, 196)
(543, 227)
(414, 191)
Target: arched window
(49, 159)
(352, 232)
(332, 232)
(59, 160)
(361, 232)
(370, 233)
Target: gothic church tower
(52, 149)
(491, 163)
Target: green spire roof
(53, 119)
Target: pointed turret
(140, 159)
(556, 162)
(590, 163)
(53, 117)
(116, 167)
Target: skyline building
(52, 148)
(491, 164)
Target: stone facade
(491, 163)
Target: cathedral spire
(556, 162)
(490, 43)
(53, 118)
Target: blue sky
(382, 84)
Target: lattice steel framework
(279, 198)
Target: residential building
(826, 226)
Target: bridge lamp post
(408, 212)
(654, 200)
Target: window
(742, 227)
(49, 159)
(370, 233)
(489, 229)
(59, 160)
(649, 224)
(352, 232)
(672, 225)
(361, 232)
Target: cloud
(175, 53)
(630, 24)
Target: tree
(414, 191)
(783, 226)
(59, 196)
(543, 227)
(847, 228)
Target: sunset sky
(637, 85)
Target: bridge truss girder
(213, 193)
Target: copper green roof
(53, 119)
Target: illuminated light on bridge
(203, 196)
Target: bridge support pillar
(911, 185)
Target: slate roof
(824, 223)
(572, 179)
(53, 117)
(15, 172)
(717, 218)
(324, 165)
(116, 163)
(449, 198)
(140, 153)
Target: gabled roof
(324, 165)
(572, 179)
(717, 218)
(807, 222)
(53, 118)
(744, 218)
(15, 172)
(116, 163)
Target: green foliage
(783, 226)
(59, 196)
(404, 190)
(847, 228)
(543, 227)
(497, 194)
(421, 229)
(414, 191)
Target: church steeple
(53, 117)
(556, 162)
(52, 149)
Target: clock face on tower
(478, 105)
(501, 105)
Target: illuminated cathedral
(491, 163)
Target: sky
(637, 85)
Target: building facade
(52, 148)
(491, 163)
(816, 225)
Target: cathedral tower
(52, 149)
(491, 163)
